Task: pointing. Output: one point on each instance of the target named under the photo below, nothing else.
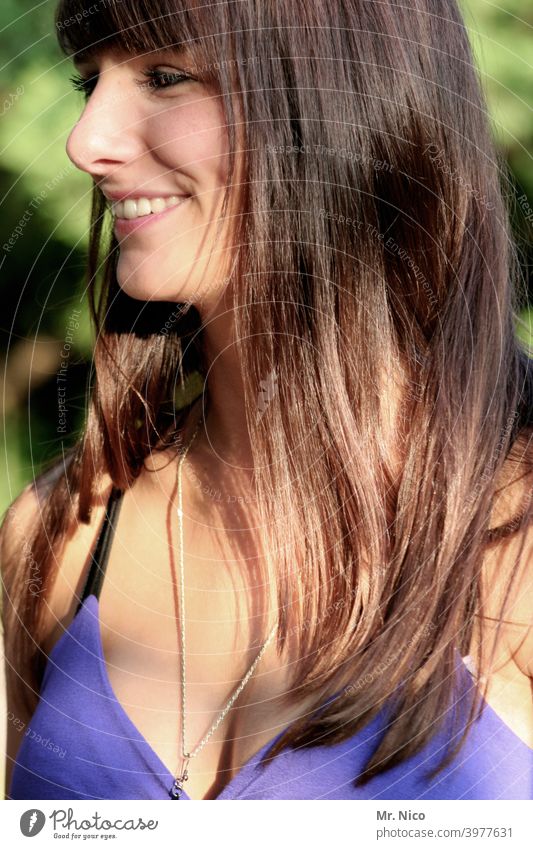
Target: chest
(229, 610)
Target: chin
(141, 292)
(139, 284)
(174, 295)
(141, 287)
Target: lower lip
(125, 226)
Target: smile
(130, 215)
(139, 207)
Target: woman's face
(149, 143)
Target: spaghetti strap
(100, 554)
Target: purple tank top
(81, 743)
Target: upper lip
(135, 195)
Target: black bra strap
(100, 554)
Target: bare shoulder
(21, 520)
(18, 528)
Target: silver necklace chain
(177, 788)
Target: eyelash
(156, 80)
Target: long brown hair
(373, 243)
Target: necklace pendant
(176, 790)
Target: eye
(164, 79)
(155, 80)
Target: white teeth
(130, 209)
(158, 204)
(143, 206)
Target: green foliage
(501, 38)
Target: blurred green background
(47, 199)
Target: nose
(107, 133)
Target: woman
(319, 572)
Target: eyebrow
(83, 57)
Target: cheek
(195, 140)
